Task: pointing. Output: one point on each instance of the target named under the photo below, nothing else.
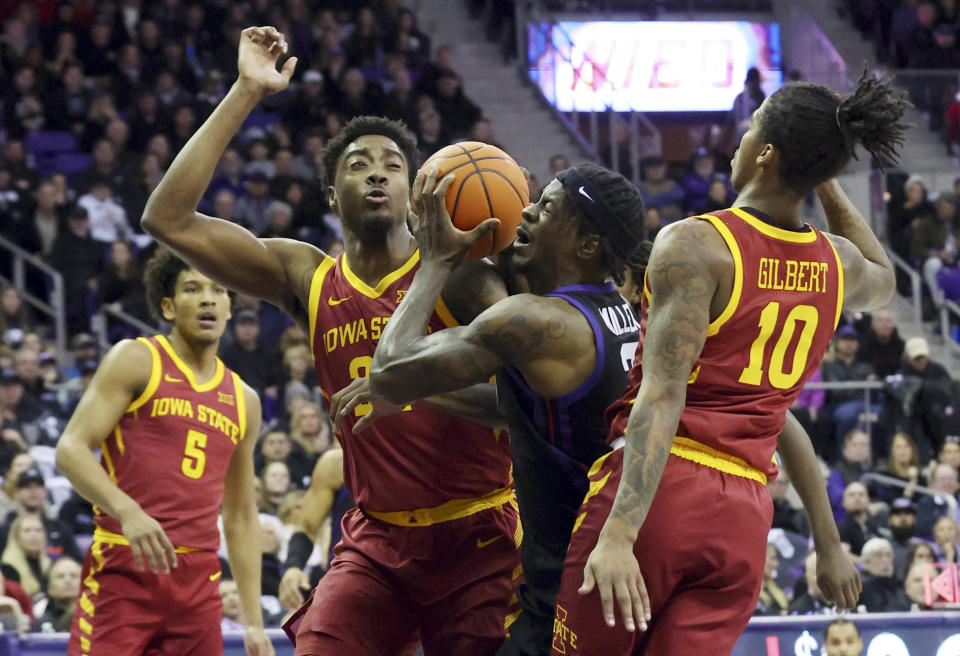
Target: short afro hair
(160, 278)
(361, 126)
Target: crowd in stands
(98, 98)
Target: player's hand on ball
(613, 570)
(149, 545)
(438, 238)
(256, 642)
(294, 580)
(260, 48)
(838, 579)
(345, 402)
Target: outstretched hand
(838, 579)
(357, 396)
(613, 569)
(260, 49)
(439, 240)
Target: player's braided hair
(626, 204)
(361, 126)
(816, 131)
(160, 278)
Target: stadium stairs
(523, 124)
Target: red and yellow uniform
(432, 549)
(702, 546)
(169, 452)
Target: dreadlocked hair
(160, 279)
(816, 132)
(626, 205)
(361, 126)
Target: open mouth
(207, 319)
(377, 196)
(523, 237)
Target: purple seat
(50, 142)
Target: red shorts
(701, 550)
(124, 611)
(448, 586)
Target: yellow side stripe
(86, 605)
(453, 509)
(85, 626)
(109, 537)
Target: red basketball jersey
(172, 447)
(783, 311)
(418, 458)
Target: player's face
(546, 231)
(372, 187)
(199, 308)
(744, 165)
(843, 640)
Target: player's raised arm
(326, 479)
(120, 379)
(870, 116)
(682, 276)
(836, 575)
(223, 250)
(241, 521)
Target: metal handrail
(916, 285)
(948, 308)
(891, 480)
(99, 323)
(865, 385)
(56, 307)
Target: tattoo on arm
(682, 285)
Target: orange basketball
(489, 183)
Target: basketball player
(326, 495)
(432, 490)
(560, 354)
(741, 305)
(176, 432)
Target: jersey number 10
(769, 320)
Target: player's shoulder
(300, 261)
(250, 396)
(130, 353)
(690, 239)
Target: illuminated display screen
(651, 66)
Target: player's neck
(545, 281)
(372, 261)
(783, 206)
(201, 357)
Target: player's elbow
(65, 457)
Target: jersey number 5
(769, 320)
(194, 457)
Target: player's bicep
(231, 255)
(682, 285)
(238, 487)
(124, 374)
(317, 502)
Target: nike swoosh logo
(214, 577)
(581, 190)
(482, 543)
(171, 379)
(338, 301)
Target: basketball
(489, 183)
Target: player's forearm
(391, 369)
(244, 556)
(844, 219)
(800, 463)
(81, 468)
(477, 403)
(173, 203)
(649, 436)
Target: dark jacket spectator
(882, 347)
